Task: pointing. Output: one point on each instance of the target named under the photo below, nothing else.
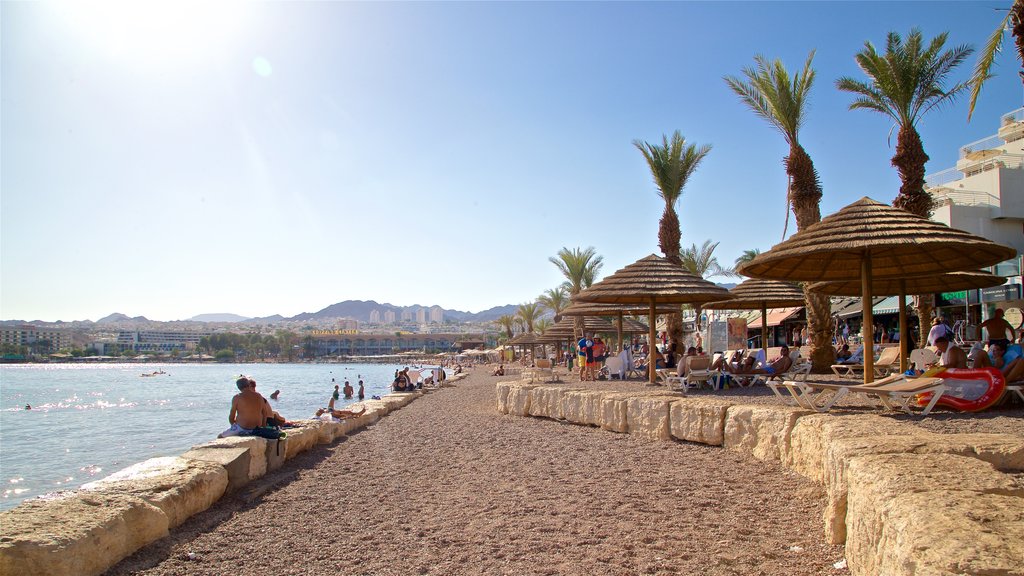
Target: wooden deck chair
(894, 392)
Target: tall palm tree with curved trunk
(507, 322)
(672, 164)
(701, 261)
(781, 99)
(905, 83)
(580, 268)
(529, 312)
(986, 59)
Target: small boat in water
(154, 373)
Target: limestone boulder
(699, 420)
(180, 487)
(812, 433)
(80, 533)
(256, 446)
(614, 406)
(582, 406)
(302, 437)
(519, 397)
(234, 461)
(997, 449)
(915, 514)
(501, 390)
(328, 431)
(762, 431)
(647, 416)
(546, 402)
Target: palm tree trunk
(805, 196)
(909, 160)
(669, 241)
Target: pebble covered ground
(447, 485)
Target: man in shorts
(999, 330)
(249, 409)
(586, 355)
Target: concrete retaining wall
(86, 531)
(902, 499)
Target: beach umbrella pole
(903, 326)
(620, 331)
(764, 329)
(867, 331)
(651, 348)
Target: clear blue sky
(278, 157)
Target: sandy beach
(448, 485)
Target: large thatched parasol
(588, 309)
(949, 282)
(652, 280)
(868, 240)
(757, 294)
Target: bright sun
(148, 30)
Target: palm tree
(747, 256)
(701, 261)
(555, 299)
(905, 83)
(506, 321)
(781, 99)
(528, 314)
(671, 164)
(983, 69)
(580, 268)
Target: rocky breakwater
(902, 499)
(86, 531)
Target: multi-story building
(159, 341)
(348, 324)
(42, 340)
(335, 344)
(389, 317)
(984, 194)
(436, 315)
(374, 316)
(421, 315)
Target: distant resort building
(159, 341)
(39, 340)
(984, 194)
(338, 343)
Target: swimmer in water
(28, 406)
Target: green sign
(952, 298)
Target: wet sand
(448, 485)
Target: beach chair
(698, 371)
(543, 368)
(616, 367)
(923, 358)
(894, 392)
(631, 369)
(887, 361)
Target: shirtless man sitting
(777, 366)
(950, 356)
(249, 409)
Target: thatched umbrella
(588, 309)
(757, 294)
(920, 285)
(525, 339)
(868, 240)
(652, 280)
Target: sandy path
(449, 486)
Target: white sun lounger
(894, 392)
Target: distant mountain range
(361, 310)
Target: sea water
(88, 421)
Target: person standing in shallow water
(362, 395)
(337, 395)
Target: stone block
(235, 462)
(180, 487)
(546, 402)
(302, 437)
(582, 406)
(614, 406)
(699, 420)
(647, 416)
(256, 446)
(762, 431)
(812, 433)
(329, 431)
(79, 533)
(519, 399)
(935, 514)
(275, 453)
(501, 390)
(996, 449)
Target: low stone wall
(902, 499)
(86, 531)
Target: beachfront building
(336, 344)
(159, 340)
(984, 194)
(35, 339)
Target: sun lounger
(1016, 388)
(887, 361)
(542, 368)
(894, 392)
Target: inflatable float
(968, 389)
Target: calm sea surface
(88, 421)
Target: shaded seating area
(895, 392)
(888, 361)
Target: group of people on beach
(250, 411)
(348, 390)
